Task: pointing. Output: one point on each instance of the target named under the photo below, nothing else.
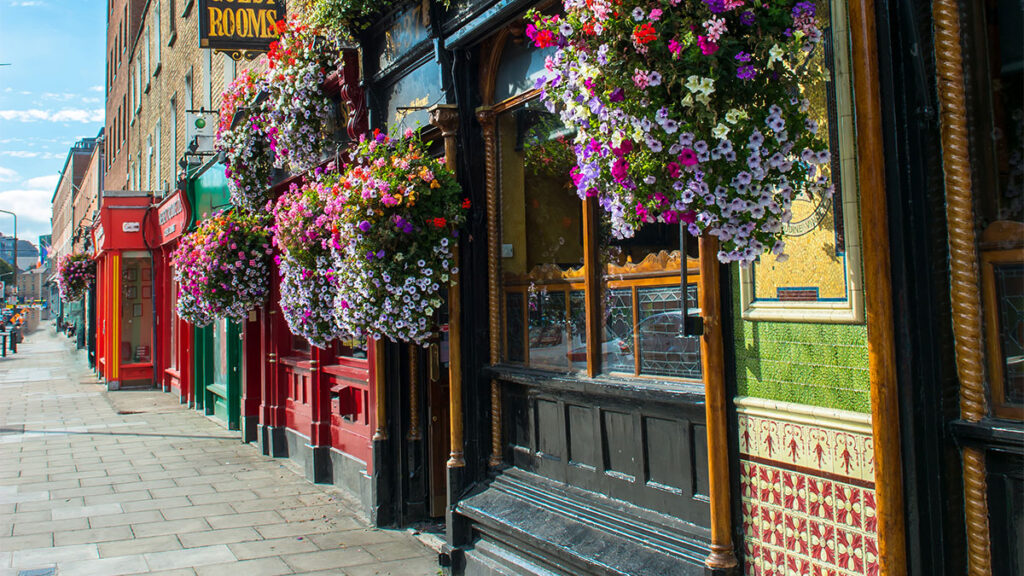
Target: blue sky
(50, 96)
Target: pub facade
(598, 405)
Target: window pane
(136, 311)
(642, 319)
(1010, 298)
(663, 349)
(542, 242)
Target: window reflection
(542, 241)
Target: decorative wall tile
(807, 490)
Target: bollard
(14, 340)
(3, 347)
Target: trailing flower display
(396, 220)
(302, 235)
(299, 111)
(346, 17)
(222, 268)
(689, 111)
(246, 143)
(75, 274)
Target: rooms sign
(239, 28)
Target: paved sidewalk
(93, 483)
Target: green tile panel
(805, 363)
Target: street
(132, 482)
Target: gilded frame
(851, 309)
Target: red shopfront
(125, 284)
(174, 365)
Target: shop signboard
(239, 28)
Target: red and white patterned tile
(807, 496)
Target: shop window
(173, 362)
(544, 272)
(355, 348)
(997, 94)
(136, 311)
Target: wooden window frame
(591, 275)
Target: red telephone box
(125, 288)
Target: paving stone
(257, 567)
(327, 559)
(156, 504)
(51, 526)
(106, 566)
(86, 511)
(310, 527)
(143, 517)
(418, 567)
(170, 527)
(139, 546)
(250, 519)
(37, 556)
(119, 497)
(227, 536)
(197, 511)
(272, 547)
(190, 557)
(92, 535)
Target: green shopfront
(217, 349)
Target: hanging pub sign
(239, 28)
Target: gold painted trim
(963, 270)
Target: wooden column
(487, 120)
(878, 290)
(723, 554)
(963, 268)
(446, 117)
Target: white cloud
(32, 154)
(27, 3)
(48, 182)
(66, 115)
(33, 210)
(7, 175)
(96, 88)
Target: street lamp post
(15, 263)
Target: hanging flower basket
(222, 268)
(300, 111)
(75, 274)
(396, 222)
(689, 110)
(302, 233)
(242, 134)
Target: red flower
(465, 204)
(644, 33)
(440, 222)
(280, 26)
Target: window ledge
(172, 38)
(156, 71)
(186, 8)
(646, 389)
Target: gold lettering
(252, 22)
(216, 22)
(229, 23)
(271, 23)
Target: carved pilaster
(963, 268)
(352, 94)
(487, 120)
(414, 393)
